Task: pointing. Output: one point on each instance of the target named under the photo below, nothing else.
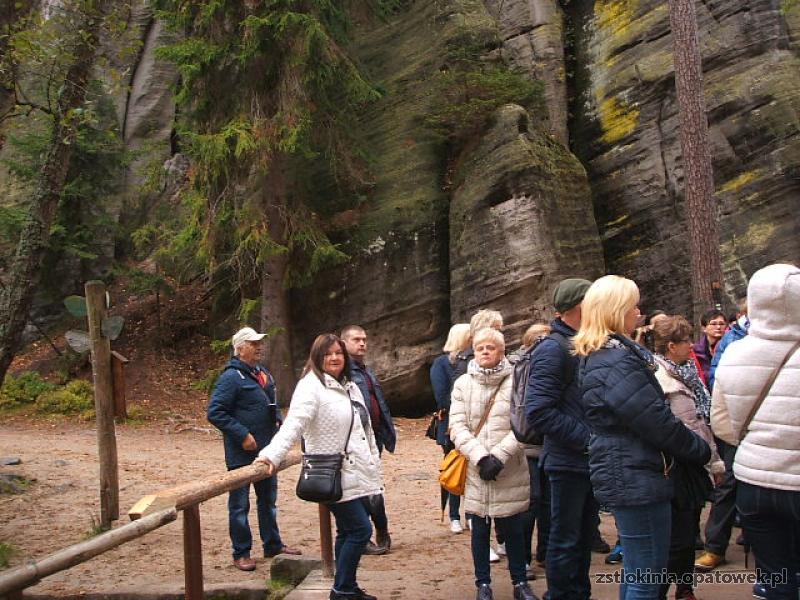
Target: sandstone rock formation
(626, 132)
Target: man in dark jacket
(243, 407)
(553, 407)
(355, 340)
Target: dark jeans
(644, 532)
(771, 521)
(353, 531)
(723, 508)
(511, 529)
(239, 509)
(539, 510)
(685, 527)
(453, 501)
(573, 521)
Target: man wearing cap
(553, 407)
(243, 407)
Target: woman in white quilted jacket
(766, 363)
(497, 485)
(328, 411)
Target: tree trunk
(701, 208)
(275, 314)
(23, 275)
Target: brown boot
(708, 561)
(245, 563)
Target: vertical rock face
(626, 131)
(520, 222)
(532, 32)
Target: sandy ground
(426, 562)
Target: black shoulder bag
(321, 474)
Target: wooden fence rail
(154, 511)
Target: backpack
(523, 430)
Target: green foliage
(248, 309)
(297, 93)
(22, 390)
(471, 89)
(142, 282)
(788, 5)
(77, 397)
(7, 551)
(206, 384)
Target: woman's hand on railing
(270, 467)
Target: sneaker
(484, 592)
(283, 550)
(245, 563)
(382, 538)
(759, 591)
(501, 549)
(493, 557)
(362, 595)
(522, 591)
(615, 556)
(373, 549)
(708, 561)
(455, 526)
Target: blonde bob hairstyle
(457, 340)
(603, 312)
(487, 334)
(485, 318)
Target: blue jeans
(644, 532)
(353, 531)
(573, 521)
(512, 530)
(239, 509)
(771, 523)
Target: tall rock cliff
(517, 219)
(626, 132)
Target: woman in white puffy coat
(497, 483)
(326, 406)
(767, 463)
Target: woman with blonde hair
(458, 340)
(497, 484)
(635, 438)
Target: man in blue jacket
(243, 407)
(553, 407)
(355, 340)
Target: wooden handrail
(28, 574)
(188, 494)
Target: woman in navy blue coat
(635, 438)
(442, 378)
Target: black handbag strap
(349, 429)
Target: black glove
(489, 467)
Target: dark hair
(316, 357)
(673, 329)
(711, 314)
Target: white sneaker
(501, 549)
(455, 526)
(493, 556)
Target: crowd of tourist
(624, 414)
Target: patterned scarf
(688, 375)
(476, 368)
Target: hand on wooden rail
(264, 460)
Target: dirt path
(427, 561)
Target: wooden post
(103, 402)
(192, 553)
(118, 363)
(325, 540)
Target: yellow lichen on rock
(614, 14)
(617, 119)
(737, 183)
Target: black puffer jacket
(634, 434)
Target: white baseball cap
(246, 334)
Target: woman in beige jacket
(688, 400)
(497, 474)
